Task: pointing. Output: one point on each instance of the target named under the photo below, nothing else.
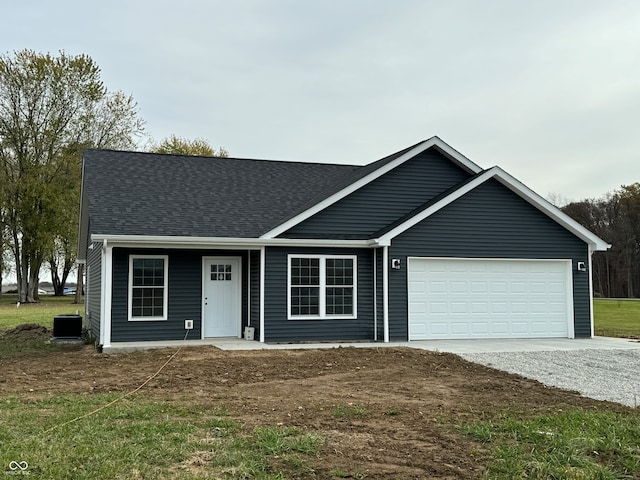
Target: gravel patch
(612, 375)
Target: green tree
(51, 107)
(181, 146)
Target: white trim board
(203, 243)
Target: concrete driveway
(525, 345)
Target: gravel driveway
(612, 375)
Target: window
(221, 272)
(148, 287)
(322, 286)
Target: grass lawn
(198, 425)
(41, 313)
(139, 438)
(616, 318)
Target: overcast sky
(548, 90)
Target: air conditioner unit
(67, 326)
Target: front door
(221, 297)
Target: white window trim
(323, 284)
(165, 287)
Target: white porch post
(590, 272)
(375, 294)
(262, 266)
(105, 304)
(385, 292)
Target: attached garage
(459, 298)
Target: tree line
(52, 107)
(615, 218)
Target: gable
(382, 201)
(495, 174)
(491, 221)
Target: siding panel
(279, 329)
(93, 290)
(254, 279)
(185, 295)
(489, 222)
(383, 201)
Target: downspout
(248, 288)
(262, 267)
(385, 292)
(375, 294)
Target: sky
(547, 90)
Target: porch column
(385, 292)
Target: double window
(148, 287)
(322, 286)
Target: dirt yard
(408, 400)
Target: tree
(616, 218)
(181, 146)
(51, 107)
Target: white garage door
(463, 298)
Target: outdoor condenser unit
(67, 326)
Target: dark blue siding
(488, 222)
(383, 201)
(93, 290)
(254, 279)
(185, 295)
(279, 329)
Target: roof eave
(185, 242)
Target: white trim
(229, 243)
(262, 282)
(103, 292)
(165, 287)
(105, 330)
(385, 292)
(322, 287)
(238, 282)
(375, 294)
(515, 186)
(569, 281)
(248, 291)
(421, 147)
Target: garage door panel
(499, 328)
(467, 298)
(458, 328)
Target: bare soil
(399, 406)
(26, 332)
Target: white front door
(221, 297)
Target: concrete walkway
(453, 346)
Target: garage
(460, 298)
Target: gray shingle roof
(132, 193)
